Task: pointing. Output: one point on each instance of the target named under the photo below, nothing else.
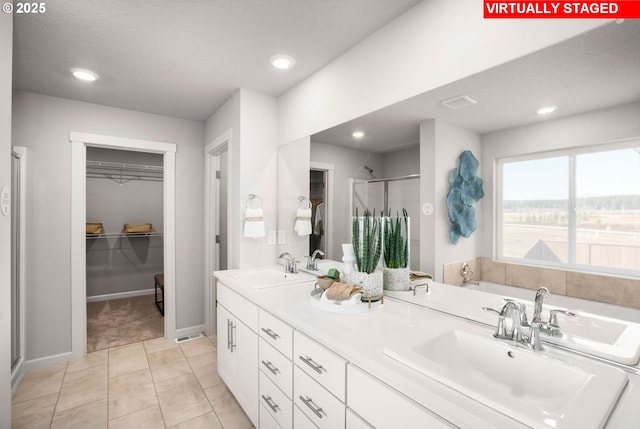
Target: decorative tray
(362, 307)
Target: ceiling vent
(458, 102)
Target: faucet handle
(553, 328)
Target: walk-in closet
(124, 247)
(317, 196)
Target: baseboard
(120, 295)
(189, 331)
(16, 377)
(47, 361)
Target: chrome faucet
(521, 330)
(312, 261)
(292, 264)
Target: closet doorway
(321, 197)
(80, 142)
(124, 247)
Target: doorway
(79, 144)
(218, 248)
(321, 197)
(124, 247)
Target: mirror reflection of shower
(390, 196)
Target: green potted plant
(396, 252)
(367, 234)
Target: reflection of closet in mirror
(391, 196)
(317, 195)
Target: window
(577, 209)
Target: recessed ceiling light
(84, 74)
(546, 110)
(358, 134)
(282, 62)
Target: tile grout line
(200, 384)
(153, 381)
(58, 397)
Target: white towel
(356, 298)
(303, 222)
(253, 223)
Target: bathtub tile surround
(118, 388)
(534, 277)
(613, 290)
(451, 272)
(607, 289)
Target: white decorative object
(348, 258)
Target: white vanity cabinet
(373, 401)
(237, 344)
(319, 382)
(276, 371)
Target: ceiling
(595, 70)
(185, 58)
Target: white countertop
(361, 338)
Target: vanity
(293, 365)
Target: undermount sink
(547, 389)
(269, 277)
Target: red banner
(562, 9)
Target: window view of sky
(615, 172)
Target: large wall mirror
(394, 166)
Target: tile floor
(154, 384)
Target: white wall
(48, 222)
(432, 44)
(401, 162)
(588, 129)
(6, 46)
(252, 117)
(440, 148)
(348, 163)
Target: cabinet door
(227, 360)
(246, 342)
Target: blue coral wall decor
(465, 188)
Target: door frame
(212, 152)
(21, 153)
(79, 143)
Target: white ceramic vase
(370, 284)
(396, 279)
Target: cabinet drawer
(277, 367)
(300, 420)
(277, 404)
(277, 333)
(240, 307)
(321, 364)
(266, 420)
(372, 400)
(320, 406)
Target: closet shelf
(127, 235)
(123, 173)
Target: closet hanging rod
(120, 178)
(104, 165)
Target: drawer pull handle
(314, 365)
(271, 367)
(270, 403)
(312, 406)
(270, 333)
(233, 343)
(228, 334)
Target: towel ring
(253, 197)
(301, 199)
